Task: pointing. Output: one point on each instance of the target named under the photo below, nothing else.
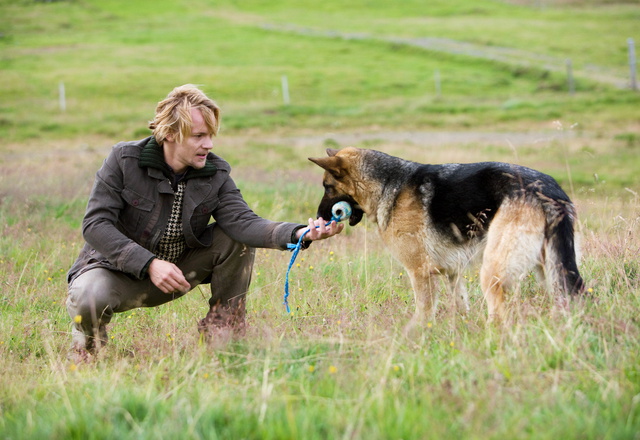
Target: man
(148, 229)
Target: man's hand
(168, 277)
(321, 231)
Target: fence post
(632, 64)
(572, 87)
(285, 90)
(62, 99)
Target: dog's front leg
(458, 289)
(425, 284)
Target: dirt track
(504, 55)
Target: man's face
(193, 150)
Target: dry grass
(340, 366)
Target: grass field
(339, 366)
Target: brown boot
(84, 348)
(79, 355)
(223, 322)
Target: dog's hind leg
(514, 245)
(493, 290)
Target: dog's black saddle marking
(464, 198)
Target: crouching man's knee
(90, 305)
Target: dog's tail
(560, 265)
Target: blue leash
(341, 211)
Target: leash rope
(340, 211)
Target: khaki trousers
(98, 293)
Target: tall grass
(339, 366)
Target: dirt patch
(423, 138)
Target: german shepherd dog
(440, 219)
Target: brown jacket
(130, 205)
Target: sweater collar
(152, 156)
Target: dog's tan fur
(510, 247)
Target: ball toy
(341, 211)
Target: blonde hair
(173, 114)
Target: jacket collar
(152, 156)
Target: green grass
(340, 367)
(114, 60)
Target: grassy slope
(339, 367)
(114, 59)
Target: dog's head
(338, 182)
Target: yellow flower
(73, 367)
(429, 325)
(331, 253)
(396, 368)
(77, 319)
(205, 375)
(310, 267)
(590, 290)
(312, 368)
(452, 343)
(332, 369)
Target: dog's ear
(333, 165)
(332, 152)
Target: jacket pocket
(136, 200)
(136, 212)
(202, 216)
